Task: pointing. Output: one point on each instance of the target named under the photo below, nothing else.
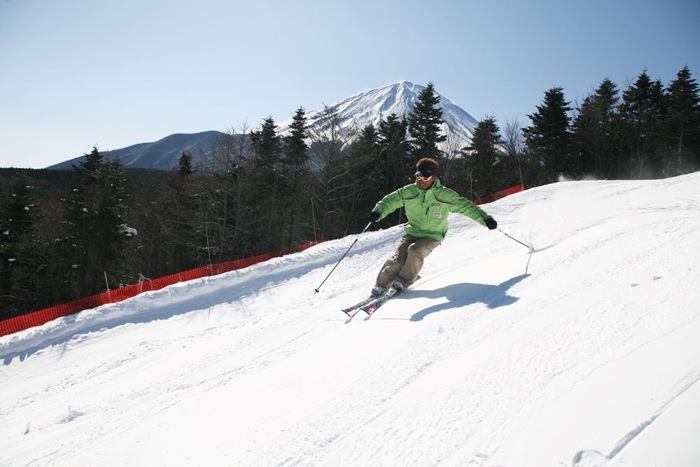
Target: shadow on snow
(460, 295)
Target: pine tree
(20, 252)
(364, 179)
(395, 153)
(683, 123)
(366, 146)
(296, 157)
(596, 128)
(89, 169)
(642, 114)
(97, 220)
(296, 149)
(425, 125)
(180, 215)
(483, 160)
(268, 176)
(185, 164)
(548, 140)
(267, 145)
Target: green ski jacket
(427, 210)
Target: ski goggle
(424, 178)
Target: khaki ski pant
(407, 261)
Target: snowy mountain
(582, 353)
(371, 107)
(354, 113)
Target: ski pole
(526, 246)
(341, 258)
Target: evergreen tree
(97, 222)
(596, 128)
(425, 125)
(20, 252)
(89, 169)
(548, 140)
(364, 179)
(179, 215)
(483, 161)
(267, 145)
(268, 176)
(394, 162)
(296, 160)
(683, 123)
(642, 115)
(397, 164)
(367, 145)
(185, 164)
(296, 149)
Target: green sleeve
(394, 201)
(463, 206)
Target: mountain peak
(354, 113)
(372, 106)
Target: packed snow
(583, 351)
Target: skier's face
(425, 182)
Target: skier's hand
(374, 216)
(491, 223)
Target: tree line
(69, 234)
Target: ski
(351, 313)
(372, 306)
(353, 310)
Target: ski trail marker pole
(341, 258)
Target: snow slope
(582, 353)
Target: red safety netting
(37, 318)
(500, 194)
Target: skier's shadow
(459, 295)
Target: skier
(427, 203)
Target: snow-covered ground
(585, 352)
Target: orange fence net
(37, 318)
(500, 194)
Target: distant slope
(355, 113)
(163, 154)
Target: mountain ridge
(356, 112)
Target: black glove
(491, 223)
(374, 216)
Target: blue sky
(79, 73)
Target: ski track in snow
(580, 353)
